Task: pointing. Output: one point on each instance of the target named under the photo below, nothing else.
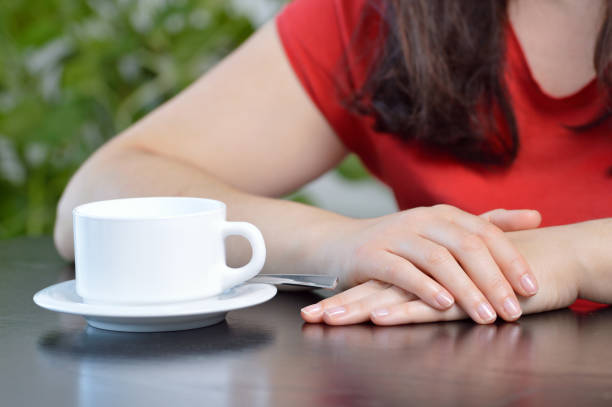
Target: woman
(475, 106)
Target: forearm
(570, 261)
(293, 232)
(594, 243)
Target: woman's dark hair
(438, 79)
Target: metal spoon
(298, 280)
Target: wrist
(553, 256)
(335, 247)
(593, 240)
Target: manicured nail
(512, 307)
(444, 299)
(336, 311)
(528, 284)
(379, 313)
(312, 309)
(486, 312)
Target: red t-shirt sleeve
(316, 36)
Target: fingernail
(379, 313)
(528, 284)
(311, 309)
(486, 312)
(332, 312)
(512, 307)
(444, 300)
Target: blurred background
(74, 73)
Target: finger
(509, 260)
(413, 312)
(474, 256)
(359, 311)
(511, 263)
(511, 220)
(314, 313)
(438, 262)
(397, 270)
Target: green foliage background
(73, 73)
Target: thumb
(510, 220)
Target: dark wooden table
(266, 356)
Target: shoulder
(330, 45)
(326, 21)
(321, 11)
(339, 39)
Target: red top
(559, 172)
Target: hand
(439, 254)
(431, 251)
(549, 251)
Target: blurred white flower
(36, 153)
(199, 18)
(258, 11)
(49, 55)
(142, 17)
(92, 136)
(129, 67)
(7, 101)
(50, 83)
(94, 29)
(174, 23)
(106, 9)
(11, 168)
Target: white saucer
(62, 297)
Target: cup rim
(81, 210)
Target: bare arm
(594, 248)
(246, 132)
(246, 128)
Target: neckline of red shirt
(582, 98)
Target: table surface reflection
(265, 355)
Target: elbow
(62, 232)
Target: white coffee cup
(157, 250)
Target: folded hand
(548, 251)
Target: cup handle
(234, 276)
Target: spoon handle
(301, 280)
